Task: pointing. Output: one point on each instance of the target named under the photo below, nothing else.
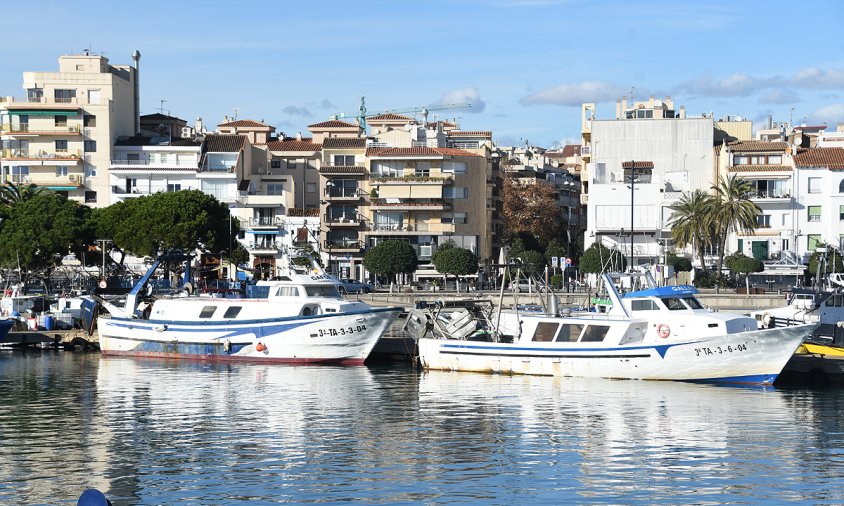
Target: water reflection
(158, 432)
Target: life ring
(663, 330)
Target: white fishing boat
(303, 319)
(658, 333)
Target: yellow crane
(361, 115)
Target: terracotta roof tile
(223, 143)
(832, 158)
(294, 145)
(343, 142)
(334, 123)
(571, 150)
(759, 168)
(246, 123)
(470, 133)
(757, 146)
(390, 116)
(435, 152)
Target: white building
(665, 152)
(61, 133)
(147, 165)
(819, 211)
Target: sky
(525, 66)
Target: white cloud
(736, 85)
(468, 95)
(780, 96)
(815, 78)
(297, 111)
(830, 114)
(574, 94)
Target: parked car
(352, 286)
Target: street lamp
(632, 190)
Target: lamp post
(632, 189)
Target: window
(207, 311)
(275, 163)
(291, 163)
(60, 121)
(173, 187)
(90, 197)
(91, 146)
(569, 333)
(812, 241)
(162, 157)
(91, 171)
(763, 221)
(693, 303)
(388, 169)
(545, 332)
(644, 305)
(93, 96)
(456, 192)
(460, 218)
(275, 188)
(311, 187)
(594, 333)
(232, 312)
(774, 159)
(344, 160)
(814, 213)
(841, 213)
(89, 120)
(61, 171)
(423, 169)
(454, 167)
(841, 186)
(741, 160)
(61, 146)
(35, 95)
(814, 185)
(673, 303)
(64, 96)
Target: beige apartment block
(60, 133)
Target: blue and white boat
(658, 333)
(303, 319)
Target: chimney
(298, 136)
(136, 57)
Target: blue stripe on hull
(232, 358)
(754, 379)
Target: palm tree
(11, 193)
(690, 224)
(731, 210)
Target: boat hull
(753, 357)
(346, 338)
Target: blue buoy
(93, 497)
(48, 322)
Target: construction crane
(361, 115)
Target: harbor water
(175, 432)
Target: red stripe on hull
(232, 358)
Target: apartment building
(637, 166)
(769, 168)
(819, 191)
(60, 134)
(145, 165)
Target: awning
(42, 112)
(265, 232)
(61, 188)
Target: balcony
(344, 194)
(421, 228)
(25, 129)
(409, 205)
(145, 165)
(342, 246)
(263, 248)
(264, 222)
(342, 221)
(769, 195)
(342, 170)
(40, 102)
(414, 180)
(45, 158)
(298, 212)
(258, 199)
(51, 181)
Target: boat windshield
(677, 303)
(328, 291)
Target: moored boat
(659, 333)
(303, 319)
